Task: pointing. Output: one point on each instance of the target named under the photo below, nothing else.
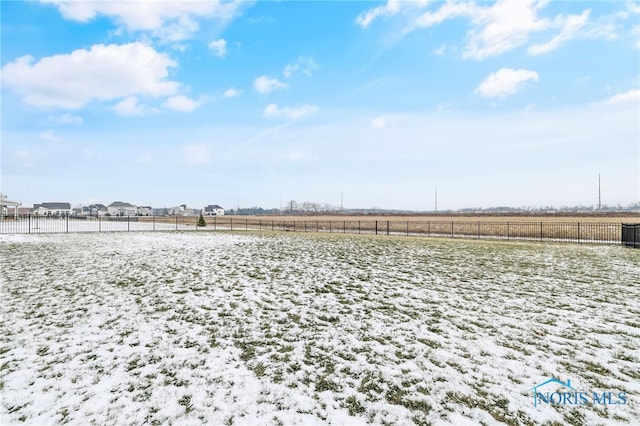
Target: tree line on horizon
(312, 208)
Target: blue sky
(516, 103)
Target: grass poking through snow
(308, 329)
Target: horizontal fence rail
(575, 232)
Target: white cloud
(196, 155)
(504, 26)
(219, 47)
(181, 103)
(624, 98)
(292, 113)
(180, 47)
(392, 7)
(50, 136)
(440, 50)
(633, 7)
(303, 64)
(448, 10)
(129, 107)
(380, 122)
(500, 26)
(264, 84)
(289, 69)
(232, 92)
(103, 73)
(505, 82)
(571, 25)
(167, 20)
(66, 119)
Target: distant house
(118, 208)
(95, 210)
(53, 209)
(6, 204)
(23, 211)
(161, 211)
(213, 210)
(182, 210)
(145, 211)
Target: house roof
(120, 204)
(144, 207)
(9, 203)
(54, 206)
(212, 207)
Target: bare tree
(292, 206)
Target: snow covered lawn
(262, 328)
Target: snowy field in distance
(248, 328)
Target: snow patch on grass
(224, 328)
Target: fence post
(294, 225)
(578, 232)
(246, 226)
(128, 223)
(330, 227)
(176, 223)
(407, 228)
(67, 224)
(428, 228)
(387, 227)
(260, 224)
(451, 229)
(376, 227)
(507, 231)
(358, 227)
(478, 229)
(29, 222)
(344, 227)
(540, 231)
(272, 224)
(317, 225)
(232, 223)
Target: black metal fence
(631, 235)
(575, 232)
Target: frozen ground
(220, 328)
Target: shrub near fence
(579, 232)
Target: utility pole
(599, 194)
(436, 197)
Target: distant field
(249, 328)
(613, 218)
(568, 228)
